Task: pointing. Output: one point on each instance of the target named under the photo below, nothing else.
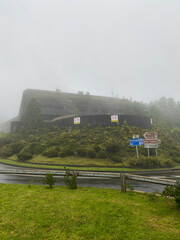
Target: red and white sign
(150, 141)
(151, 135)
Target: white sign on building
(114, 118)
(77, 120)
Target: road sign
(136, 141)
(135, 136)
(151, 145)
(150, 141)
(151, 135)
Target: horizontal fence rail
(122, 176)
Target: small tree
(49, 179)
(70, 181)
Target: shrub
(35, 148)
(167, 163)
(51, 152)
(6, 151)
(81, 152)
(67, 151)
(70, 181)
(112, 147)
(24, 154)
(168, 191)
(173, 191)
(177, 196)
(96, 148)
(176, 159)
(102, 154)
(17, 146)
(49, 179)
(116, 159)
(144, 162)
(91, 153)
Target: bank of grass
(85, 213)
(31, 165)
(14, 162)
(72, 160)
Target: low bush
(144, 162)
(6, 151)
(116, 159)
(173, 191)
(150, 162)
(102, 154)
(67, 151)
(25, 154)
(51, 152)
(70, 180)
(112, 147)
(177, 196)
(81, 152)
(91, 154)
(49, 179)
(36, 148)
(176, 159)
(96, 148)
(17, 146)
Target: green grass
(27, 164)
(71, 160)
(85, 213)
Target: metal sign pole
(148, 152)
(137, 151)
(156, 152)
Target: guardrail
(121, 176)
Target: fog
(124, 48)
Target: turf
(37, 212)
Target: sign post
(136, 142)
(137, 152)
(151, 141)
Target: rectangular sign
(77, 120)
(114, 118)
(136, 141)
(151, 145)
(150, 141)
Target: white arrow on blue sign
(136, 141)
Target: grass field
(86, 213)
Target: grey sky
(128, 47)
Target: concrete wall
(57, 104)
(105, 120)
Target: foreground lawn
(85, 213)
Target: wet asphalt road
(92, 182)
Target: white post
(148, 152)
(137, 151)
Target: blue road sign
(136, 141)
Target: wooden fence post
(123, 182)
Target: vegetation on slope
(103, 146)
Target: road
(91, 182)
